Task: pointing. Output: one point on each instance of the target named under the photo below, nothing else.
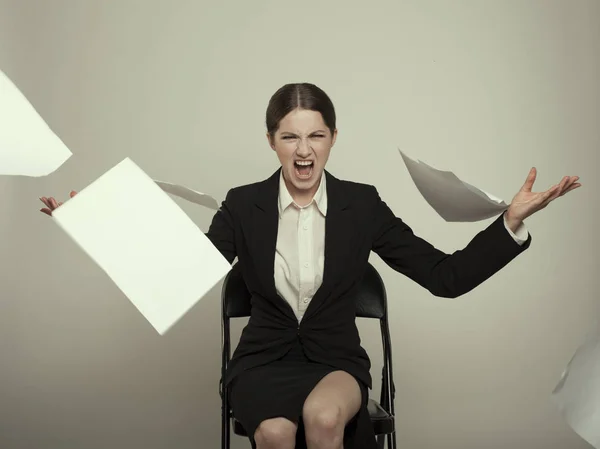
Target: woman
(303, 239)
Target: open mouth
(304, 169)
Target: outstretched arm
(452, 275)
(445, 275)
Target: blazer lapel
(338, 237)
(262, 238)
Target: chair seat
(383, 422)
(238, 429)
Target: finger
(530, 180)
(570, 188)
(73, 193)
(560, 186)
(549, 194)
(555, 194)
(53, 203)
(563, 183)
(46, 211)
(572, 180)
(45, 201)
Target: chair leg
(224, 436)
(225, 425)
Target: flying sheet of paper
(188, 194)
(28, 147)
(578, 391)
(144, 242)
(452, 198)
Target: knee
(324, 424)
(275, 433)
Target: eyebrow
(313, 132)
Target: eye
(319, 136)
(287, 137)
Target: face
(302, 143)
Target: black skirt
(279, 390)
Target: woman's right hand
(52, 204)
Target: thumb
(530, 180)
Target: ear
(334, 137)
(270, 140)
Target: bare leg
(276, 433)
(334, 401)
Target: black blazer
(357, 222)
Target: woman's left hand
(526, 203)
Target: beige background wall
(484, 88)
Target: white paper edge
(161, 331)
(494, 200)
(164, 185)
(68, 152)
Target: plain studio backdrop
(486, 89)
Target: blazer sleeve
(444, 275)
(222, 229)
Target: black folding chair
(371, 302)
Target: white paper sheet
(452, 198)
(28, 147)
(144, 242)
(578, 391)
(188, 194)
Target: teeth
(304, 163)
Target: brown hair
(299, 96)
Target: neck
(302, 197)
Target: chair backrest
(371, 298)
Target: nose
(304, 148)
